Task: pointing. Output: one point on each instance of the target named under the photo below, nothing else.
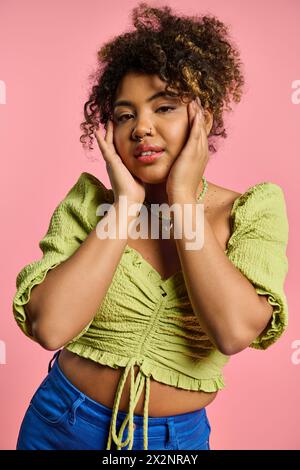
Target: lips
(146, 148)
(150, 158)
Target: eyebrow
(167, 94)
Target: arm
(70, 295)
(228, 308)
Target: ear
(209, 119)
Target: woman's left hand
(186, 172)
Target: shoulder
(264, 194)
(260, 212)
(261, 208)
(80, 204)
(261, 199)
(85, 196)
(88, 185)
(219, 200)
(219, 195)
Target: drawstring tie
(136, 388)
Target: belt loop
(80, 399)
(172, 439)
(51, 361)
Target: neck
(156, 193)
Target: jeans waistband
(92, 409)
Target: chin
(152, 174)
(152, 177)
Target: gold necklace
(167, 223)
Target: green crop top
(146, 321)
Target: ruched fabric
(147, 321)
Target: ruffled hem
(279, 321)
(160, 374)
(22, 297)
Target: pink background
(47, 50)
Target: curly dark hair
(192, 54)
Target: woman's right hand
(122, 181)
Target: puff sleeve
(257, 247)
(71, 222)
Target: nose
(142, 128)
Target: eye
(166, 107)
(120, 118)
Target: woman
(131, 314)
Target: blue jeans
(61, 417)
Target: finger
(192, 112)
(196, 115)
(201, 111)
(196, 141)
(203, 134)
(200, 120)
(97, 135)
(195, 132)
(199, 105)
(101, 143)
(108, 135)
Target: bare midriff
(100, 382)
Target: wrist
(129, 209)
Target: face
(167, 116)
